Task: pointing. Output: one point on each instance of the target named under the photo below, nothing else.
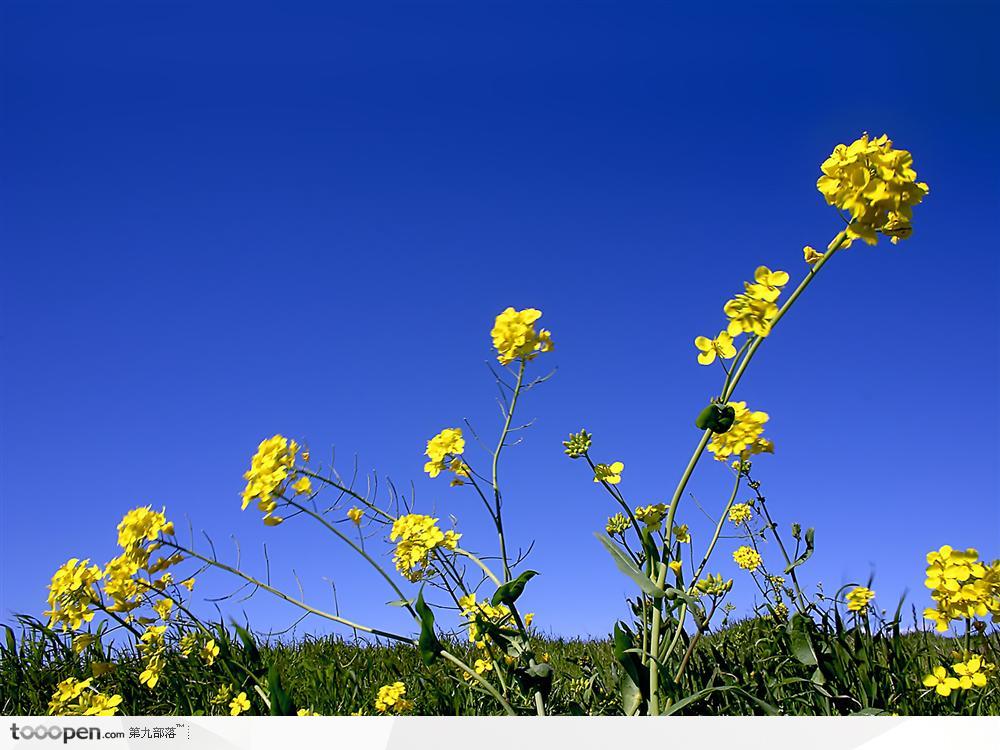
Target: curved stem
(479, 678)
(291, 600)
(359, 550)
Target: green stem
(479, 678)
(291, 600)
(654, 648)
(496, 464)
(359, 550)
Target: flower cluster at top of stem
(515, 337)
(444, 450)
(859, 598)
(876, 184)
(962, 586)
(271, 467)
(418, 535)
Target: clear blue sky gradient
(226, 221)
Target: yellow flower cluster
(651, 515)
(142, 525)
(152, 646)
(418, 535)
(495, 614)
(391, 699)
(71, 594)
(610, 473)
(617, 524)
(747, 558)
(270, 467)
(744, 438)
(971, 673)
(858, 598)
(751, 312)
(515, 337)
(448, 442)
(78, 698)
(740, 513)
(876, 184)
(962, 586)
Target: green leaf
(810, 548)
(281, 702)
(625, 566)
(802, 647)
(509, 592)
(428, 642)
(249, 644)
(764, 706)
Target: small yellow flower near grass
(858, 598)
(941, 681)
(209, 651)
(391, 699)
(610, 473)
(971, 673)
(239, 705)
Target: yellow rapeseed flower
(651, 515)
(811, 254)
(876, 184)
(858, 598)
(72, 592)
(740, 513)
(941, 681)
(448, 442)
(747, 558)
(270, 467)
(355, 515)
(744, 438)
(391, 699)
(766, 285)
(239, 705)
(515, 337)
(971, 673)
(709, 349)
(418, 535)
(610, 473)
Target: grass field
(757, 666)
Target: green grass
(752, 667)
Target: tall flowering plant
(142, 594)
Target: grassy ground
(754, 667)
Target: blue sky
(225, 221)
